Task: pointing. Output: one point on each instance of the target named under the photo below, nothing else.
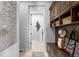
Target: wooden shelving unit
(63, 14)
(68, 24)
(71, 9)
(70, 12)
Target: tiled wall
(7, 24)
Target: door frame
(31, 19)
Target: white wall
(12, 51)
(23, 22)
(50, 32)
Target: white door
(37, 32)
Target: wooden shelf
(77, 22)
(69, 11)
(65, 11)
(64, 14)
(54, 19)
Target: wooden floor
(33, 54)
(36, 51)
(38, 54)
(27, 54)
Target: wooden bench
(54, 51)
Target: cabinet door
(72, 3)
(64, 5)
(51, 14)
(56, 9)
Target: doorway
(36, 35)
(37, 32)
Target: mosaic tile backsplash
(7, 24)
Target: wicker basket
(67, 20)
(57, 23)
(61, 43)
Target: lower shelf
(77, 22)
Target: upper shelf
(70, 11)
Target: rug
(38, 54)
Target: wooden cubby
(75, 13)
(69, 10)
(65, 14)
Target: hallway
(39, 29)
(33, 29)
(37, 46)
(36, 51)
